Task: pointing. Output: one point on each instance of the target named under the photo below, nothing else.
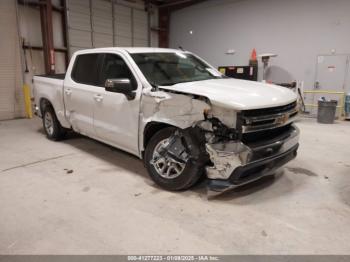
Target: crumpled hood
(237, 94)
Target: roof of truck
(132, 50)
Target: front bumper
(236, 164)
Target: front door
(116, 119)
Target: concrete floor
(79, 196)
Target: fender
(173, 109)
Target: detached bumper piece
(258, 160)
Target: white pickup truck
(174, 111)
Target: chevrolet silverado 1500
(174, 111)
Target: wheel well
(150, 129)
(43, 103)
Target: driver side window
(114, 67)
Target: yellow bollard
(27, 101)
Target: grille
(269, 111)
(264, 135)
(266, 118)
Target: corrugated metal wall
(11, 95)
(79, 25)
(122, 25)
(140, 26)
(103, 23)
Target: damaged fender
(187, 113)
(178, 110)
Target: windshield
(172, 68)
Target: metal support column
(47, 35)
(65, 30)
(164, 22)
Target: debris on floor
(263, 233)
(299, 170)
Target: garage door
(122, 25)
(103, 23)
(79, 25)
(140, 25)
(11, 99)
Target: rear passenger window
(85, 69)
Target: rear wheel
(167, 171)
(52, 127)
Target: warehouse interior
(80, 196)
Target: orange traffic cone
(253, 63)
(253, 55)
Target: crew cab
(176, 112)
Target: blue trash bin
(347, 106)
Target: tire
(52, 127)
(189, 176)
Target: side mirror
(122, 85)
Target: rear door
(80, 89)
(116, 118)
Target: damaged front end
(234, 148)
(236, 163)
(262, 144)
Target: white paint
(237, 94)
(119, 122)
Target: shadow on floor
(127, 161)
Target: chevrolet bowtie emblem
(282, 119)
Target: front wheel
(166, 170)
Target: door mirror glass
(120, 85)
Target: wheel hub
(48, 121)
(165, 165)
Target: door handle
(98, 97)
(68, 91)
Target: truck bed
(55, 76)
(50, 87)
